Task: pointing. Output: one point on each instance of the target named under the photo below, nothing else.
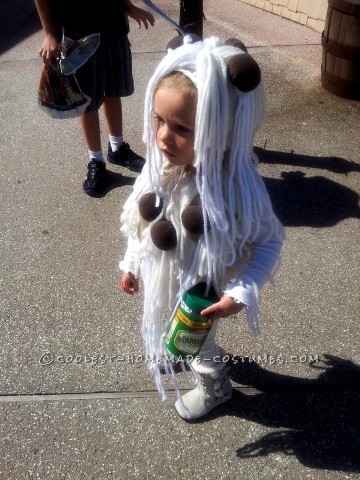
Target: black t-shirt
(81, 17)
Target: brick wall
(311, 13)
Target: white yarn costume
(241, 249)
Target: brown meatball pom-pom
(235, 42)
(147, 207)
(193, 220)
(178, 41)
(243, 72)
(163, 234)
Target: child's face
(175, 116)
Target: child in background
(202, 108)
(105, 77)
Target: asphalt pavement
(76, 399)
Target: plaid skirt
(108, 72)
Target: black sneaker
(95, 178)
(126, 157)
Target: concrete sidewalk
(76, 400)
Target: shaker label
(171, 331)
(193, 325)
(189, 342)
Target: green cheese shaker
(189, 329)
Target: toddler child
(199, 211)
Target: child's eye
(158, 119)
(184, 129)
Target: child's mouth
(168, 154)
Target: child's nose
(166, 134)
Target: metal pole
(192, 16)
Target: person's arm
(139, 14)
(129, 265)
(52, 38)
(243, 291)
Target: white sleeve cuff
(248, 294)
(130, 262)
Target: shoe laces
(93, 169)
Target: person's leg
(90, 125)
(119, 152)
(119, 83)
(214, 387)
(112, 109)
(95, 178)
(91, 80)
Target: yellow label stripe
(190, 323)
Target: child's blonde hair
(178, 80)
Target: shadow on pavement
(11, 35)
(299, 200)
(318, 419)
(115, 180)
(333, 164)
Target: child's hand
(129, 284)
(222, 309)
(141, 16)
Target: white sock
(115, 142)
(97, 156)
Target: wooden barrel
(340, 69)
